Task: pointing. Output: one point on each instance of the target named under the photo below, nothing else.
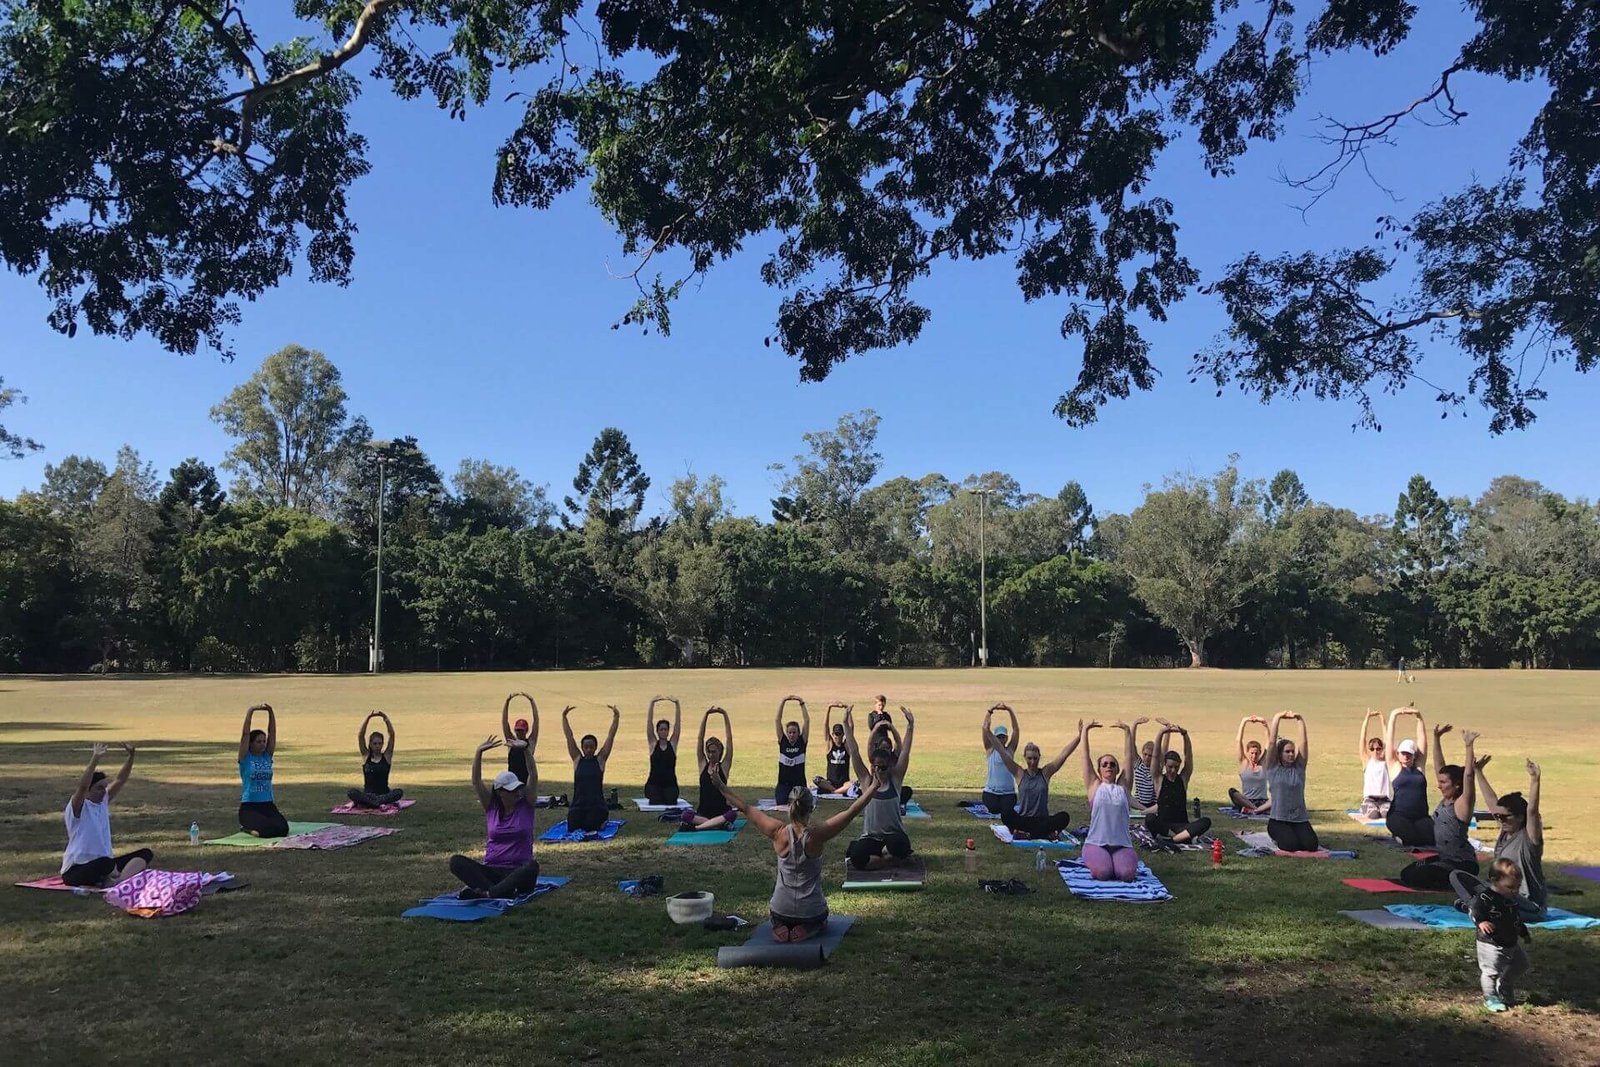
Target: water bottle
(1038, 858)
(82, 891)
(1196, 809)
(1216, 853)
(194, 833)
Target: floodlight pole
(375, 660)
(983, 584)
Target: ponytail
(801, 803)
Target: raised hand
(516, 742)
(1533, 769)
(1469, 736)
(1440, 729)
(490, 742)
(98, 749)
(127, 746)
(568, 710)
(1481, 762)
(1140, 721)
(907, 713)
(259, 707)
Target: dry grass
(278, 973)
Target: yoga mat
(53, 882)
(1355, 814)
(1378, 885)
(559, 833)
(1235, 813)
(332, 837)
(762, 951)
(909, 873)
(351, 808)
(1067, 842)
(643, 804)
(1579, 872)
(244, 840)
(978, 811)
(1384, 920)
(1446, 917)
(448, 907)
(706, 837)
(1146, 888)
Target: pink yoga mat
(347, 808)
(1377, 885)
(54, 882)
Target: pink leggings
(1116, 862)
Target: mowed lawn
(1251, 964)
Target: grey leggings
(496, 881)
(363, 799)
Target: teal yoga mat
(244, 840)
(706, 837)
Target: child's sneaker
(1493, 1004)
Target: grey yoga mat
(762, 951)
(1385, 920)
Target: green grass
(312, 964)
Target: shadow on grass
(1249, 965)
(62, 727)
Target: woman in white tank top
(1108, 850)
(1375, 795)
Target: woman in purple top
(508, 868)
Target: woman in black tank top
(838, 781)
(377, 758)
(793, 737)
(716, 762)
(662, 785)
(521, 730)
(588, 810)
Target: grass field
(313, 964)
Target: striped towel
(1146, 888)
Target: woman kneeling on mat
(588, 810)
(716, 763)
(508, 868)
(1251, 796)
(258, 815)
(1031, 817)
(1521, 838)
(1290, 825)
(662, 785)
(1170, 815)
(379, 757)
(1108, 849)
(1457, 793)
(883, 839)
(797, 908)
(88, 860)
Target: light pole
(375, 656)
(983, 584)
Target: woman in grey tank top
(798, 907)
(1251, 796)
(1031, 817)
(1457, 797)
(883, 839)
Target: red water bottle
(1216, 853)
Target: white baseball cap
(1407, 745)
(508, 781)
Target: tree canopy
(162, 161)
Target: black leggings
(363, 799)
(1035, 825)
(1434, 874)
(658, 793)
(863, 850)
(1239, 800)
(999, 803)
(1413, 833)
(95, 872)
(587, 817)
(1293, 836)
(1162, 828)
(814, 925)
(496, 881)
(263, 819)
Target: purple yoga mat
(1584, 872)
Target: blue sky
(487, 334)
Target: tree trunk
(1197, 651)
(685, 649)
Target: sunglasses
(1108, 763)
(1503, 816)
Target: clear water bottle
(82, 891)
(1038, 858)
(194, 833)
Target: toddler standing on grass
(1501, 931)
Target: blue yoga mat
(559, 834)
(706, 837)
(978, 811)
(1445, 916)
(449, 907)
(1146, 888)
(1067, 843)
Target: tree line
(112, 568)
